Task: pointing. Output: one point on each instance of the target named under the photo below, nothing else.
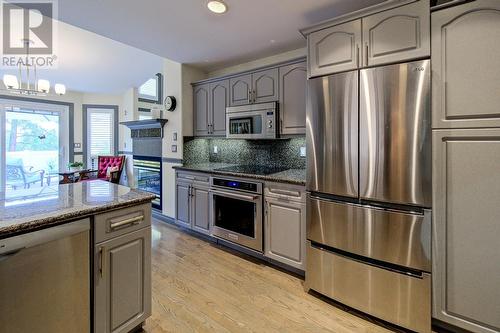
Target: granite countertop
(37, 208)
(290, 176)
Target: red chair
(103, 163)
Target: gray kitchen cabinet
(201, 209)
(466, 65)
(396, 35)
(122, 293)
(183, 208)
(265, 86)
(465, 252)
(285, 224)
(201, 96)
(192, 201)
(335, 49)
(219, 100)
(240, 90)
(293, 85)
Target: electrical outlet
(302, 151)
(174, 136)
(174, 148)
(216, 150)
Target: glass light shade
(10, 81)
(217, 7)
(60, 89)
(43, 86)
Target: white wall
(177, 79)
(275, 59)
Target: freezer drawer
(332, 134)
(398, 298)
(399, 238)
(395, 134)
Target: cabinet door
(285, 238)
(466, 195)
(265, 86)
(201, 109)
(122, 293)
(183, 202)
(219, 100)
(336, 49)
(398, 34)
(293, 85)
(240, 89)
(466, 65)
(201, 210)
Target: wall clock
(170, 103)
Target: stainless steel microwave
(253, 121)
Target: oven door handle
(235, 195)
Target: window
(100, 134)
(151, 90)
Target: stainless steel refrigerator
(369, 191)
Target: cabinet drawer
(194, 177)
(285, 192)
(122, 221)
(399, 298)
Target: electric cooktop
(252, 169)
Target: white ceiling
(88, 62)
(185, 31)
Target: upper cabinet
(397, 35)
(219, 100)
(240, 90)
(335, 49)
(466, 65)
(265, 86)
(258, 87)
(394, 35)
(201, 109)
(210, 102)
(293, 82)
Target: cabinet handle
(249, 96)
(254, 96)
(101, 261)
(357, 55)
(131, 221)
(366, 53)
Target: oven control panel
(236, 185)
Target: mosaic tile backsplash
(279, 153)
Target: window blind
(100, 133)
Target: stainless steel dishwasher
(45, 280)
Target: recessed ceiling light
(217, 6)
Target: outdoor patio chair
(20, 176)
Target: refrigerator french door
(369, 190)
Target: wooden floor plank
(200, 287)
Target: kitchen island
(75, 257)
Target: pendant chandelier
(32, 86)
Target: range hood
(147, 124)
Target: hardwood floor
(201, 287)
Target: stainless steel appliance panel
(399, 298)
(45, 280)
(332, 134)
(395, 134)
(395, 237)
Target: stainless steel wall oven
(236, 208)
